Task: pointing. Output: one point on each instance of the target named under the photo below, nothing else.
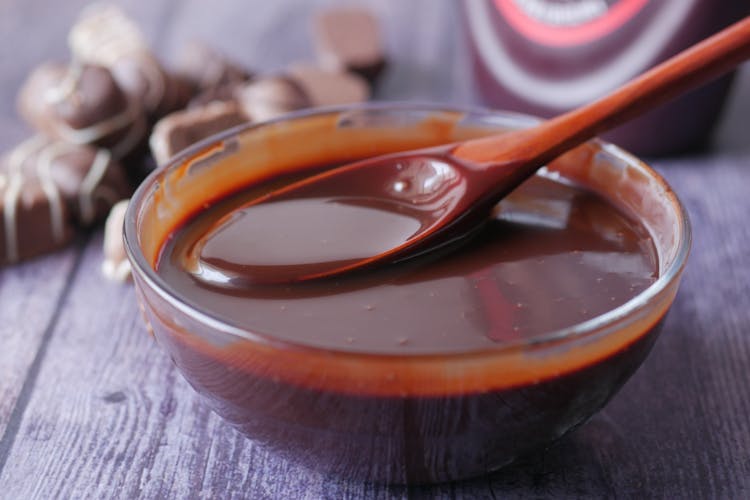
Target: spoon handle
(689, 69)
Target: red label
(565, 23)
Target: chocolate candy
(348, 39)
(329, 88)
(115, 266)
(89, 179)
(181, 129)
(268, 98)
(105, 36)
(81, 104)
(34, 218)
(45, 186)
(179, 92)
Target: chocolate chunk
(206, 69)
(115, 266)
(89, 179)
(329, 88)
(34, 218)
(181, 129)
(81, 104)
(105, 36)
(268, 98)
(348, 39)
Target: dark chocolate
(90, 180)
(34, 218)
(104, 35)
(547, 261)
(81, 104)
(181, 129)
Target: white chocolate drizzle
(104, 35)
(138, 130)
(15, 182)
(44, 173)
(12, 182)
(91, 187)
(90, 182)
(67, 87)
(88, 135)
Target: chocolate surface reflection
(304, 231)
(553, 256)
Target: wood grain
(30, 301)
(104, 414)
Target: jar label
(567, 22)
(554, 56)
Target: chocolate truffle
(105, 36)
(34, 218)
(89, 179)
(81, 104)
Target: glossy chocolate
(386, 405)
(553, 256)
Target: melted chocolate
(554, 255)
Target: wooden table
(91, 407)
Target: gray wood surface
(90, 407)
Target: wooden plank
(30, 296)
(29, 293)
(110, 417)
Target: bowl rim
(150, 277)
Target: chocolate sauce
(552, 256)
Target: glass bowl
(397, 418)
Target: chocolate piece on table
(89, 179)
(178, 94)
(207, 69)
(81, 104)
(329, 88)
(270, 97)
(181, 129)
(105, 36)
(116, 265)
(348, 39)
(34, 218)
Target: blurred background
(425, 40)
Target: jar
(548, 56)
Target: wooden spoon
(450, 190)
